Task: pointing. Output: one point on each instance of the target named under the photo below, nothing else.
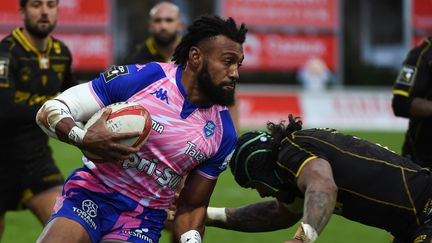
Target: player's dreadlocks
(256, 154)
(280, 131)
(204, 27)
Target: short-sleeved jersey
(376, 187)
(415, 80)
(184, 136)
(28, 78)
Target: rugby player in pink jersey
(125, 198)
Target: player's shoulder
(7, 43)
(153, 69)
(423, 49)
(60, 47)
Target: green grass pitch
(22, 227)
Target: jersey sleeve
(212, 167)
(119, 83)
(413, 80)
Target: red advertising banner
(90, 52)
(256, 108)
(73, 13)
(422, 15)
(287, 52)
(283, 13)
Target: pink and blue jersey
(184, 136)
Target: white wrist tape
(191, 236)
(216, 214)
(56, 110)
(306, 233)
(76, 135)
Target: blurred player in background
(314, 173)
(125, 198)
(164, 29)
(412, 99)
(34, 67)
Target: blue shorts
(107, 214)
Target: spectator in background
(34, 67)
(412, 94)
(165, 27)
(314, 75)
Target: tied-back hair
(204, 27)
(281, 130)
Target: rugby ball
(124, 117)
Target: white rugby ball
(125, 117)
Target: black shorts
(20, 180)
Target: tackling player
(314, 173)
(124, 199)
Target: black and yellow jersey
(376, 186)
(147, 52)
(28, 78)
(415, 80)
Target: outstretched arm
(258, 217)
(317, 183)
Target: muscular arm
(192, 204)
(257, 217)
(57, 118)
(317, 183)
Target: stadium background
(363, 42)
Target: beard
(38, 32)
(165, 40)
(216, 93)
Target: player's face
(220, 70)
(40, 17)
(165, 25)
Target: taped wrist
(76, 135)
(306, 233)
(56, 111)
(191, 236)
(216, 214)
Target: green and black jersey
(415, 80)
(28, 78)
(376, 186)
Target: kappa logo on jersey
(161, 94)
(209, 128)
(87, 212)
(114, 72)
(406, 75)
(4, 67)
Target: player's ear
(195, 56)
